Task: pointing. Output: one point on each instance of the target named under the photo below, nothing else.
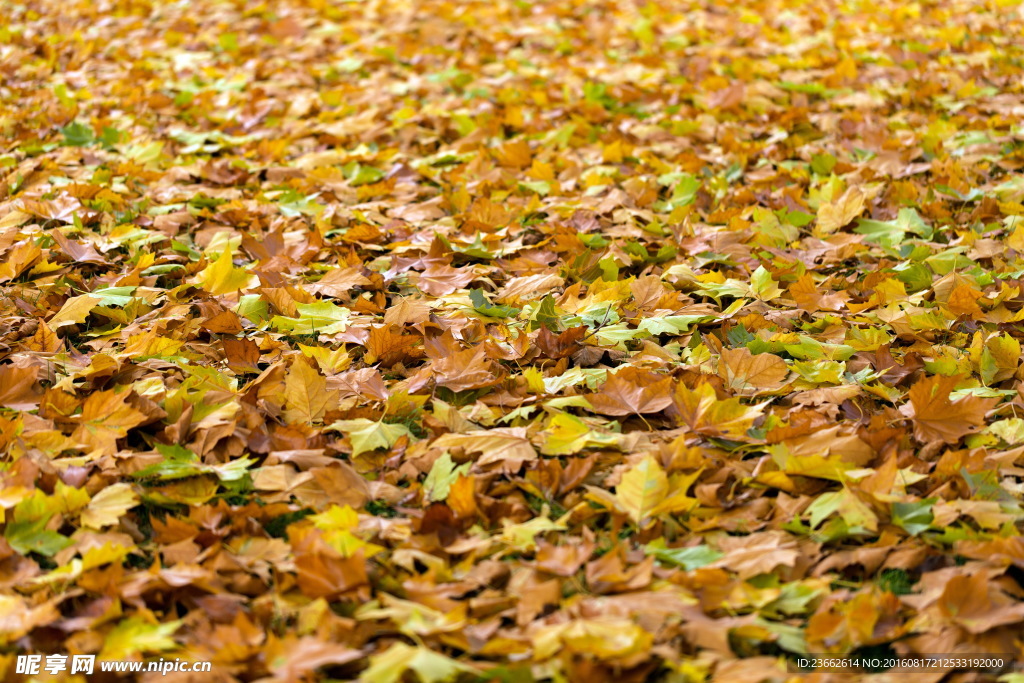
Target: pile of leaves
(511, 341)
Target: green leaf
(823, 163)
(807, 88)
(687, 558)
(541, 187)
(484, 307)
(113, 296)
(33, 536)
(762, 286)
(794, 598)
(110, 137)
(890, 234)
(878, 232)
(797, 219)
(475, 249)
(770, 231)
(179, 463)
(228, 42)
(945, 261)
(672, 324)
(685, 191)
(359, 174)
(852, 510)
(78, 135)
(810, 348)
(368, 435)
(914, 518)
(254, 308)
(546, 315)
(442, 475)
(731, 287)
(916, 276)
(322, 317)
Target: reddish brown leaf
(242, 355)
(564, 344)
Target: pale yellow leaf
(75, 310)
(834, 215)
(107, 506)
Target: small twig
(607, 312)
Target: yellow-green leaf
(136, 635)
(368, 435)
(642, 488)
(391, 665)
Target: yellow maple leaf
(642, 488)
(834, 215)
(107, 506)
(221, 276)
(75, 310)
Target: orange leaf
(16, 387)
(242, 355)
(748, 374)
(936, 418)
(106, 418)
(701, 410)
(468, 369)
(632, 391)
(387, 345)
(462, 497)
(323, 572)
(963, 300)
(834, 215)
(565, 344)
(442, 280)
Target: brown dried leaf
(632, 391)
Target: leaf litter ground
(511, 341)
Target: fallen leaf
(700, 409)
(305, 394)
(834, 215)
(442, 280)
(222, 277)
(108, 505)
(937, 418)
(75, 310)
(500, 444)
(642, 488)
(632, 391)
(369, 435)
(465, 370)
(749, 375)
(16, 387)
